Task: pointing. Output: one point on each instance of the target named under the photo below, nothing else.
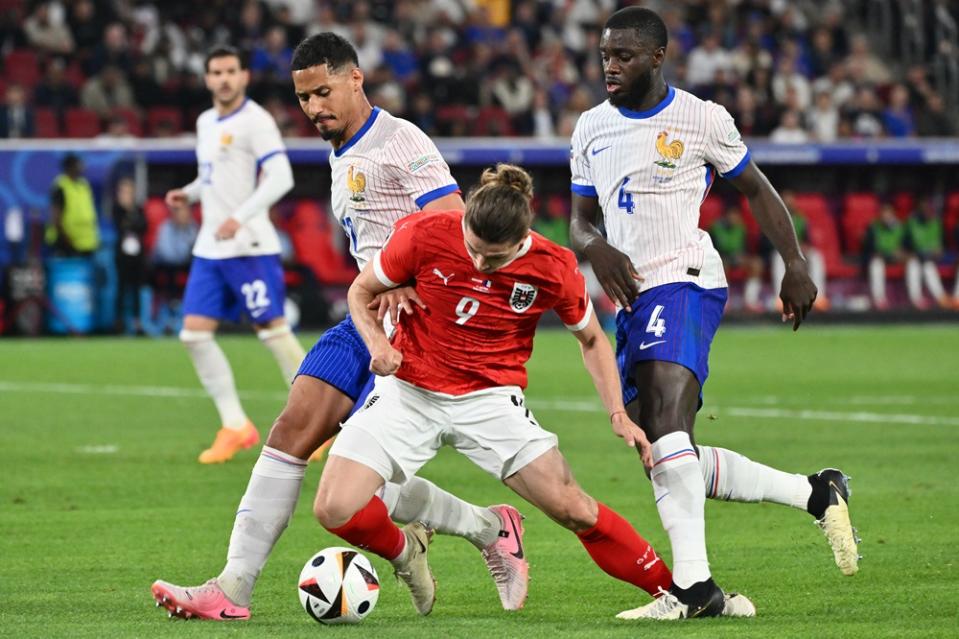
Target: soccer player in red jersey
(455, 372)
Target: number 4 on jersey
(657, 325)
(625, 198)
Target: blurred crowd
(793, 71)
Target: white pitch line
(577, 406)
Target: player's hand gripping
(615, 272)
(798, 292)
(634, 436)
(384, 359)
(395, 301)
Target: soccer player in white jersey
(645, 160)
(236, 270)
(384, 168)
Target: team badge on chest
(522, 297)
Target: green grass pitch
(101, 493)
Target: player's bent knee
(574, 511)
(190, 338)
(329, 511)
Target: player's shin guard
(681, 499)
(730, 476)
(622, 553)
(286, 349)
(372, 529)
(420, 500)
(215, 374)
(263, 515)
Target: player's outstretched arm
(384, 359)
(600, 361)
(613, 268)
(798, 291)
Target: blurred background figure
(72, 230)
(817, 265)
(130, 255)
(16, 117)
(924, 240)
(730, 237)
(172, 255)
(884, 244)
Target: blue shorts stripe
(341, 360)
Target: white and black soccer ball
(338, 585)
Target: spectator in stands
(172, 254)
(73, 228)
(883, 244)
(16, 116)
(514, 92)
(543, 127)
(924, 241)
(788, 79)
(897, 117)
(705, 60)
(271, 60)
(814, 258)
(107, 91)
(113, 51)
(117, 127)
(865, 67)
(729, 235)
(933, 120)
(54, 92)
(147, 92)
(45, 33)
(790, 129)
(87, 22)
(823, 118)
(130, 253)
(552, 220)
(400, 57)
(864, 113)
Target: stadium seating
(46, 122)
(155, 210)
(21, 67)
(81, 123)
(132, 118)
(858, 212)
(315, 242)
(823, 234)
(158, 116)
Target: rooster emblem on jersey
(669, 150)
(356, 184)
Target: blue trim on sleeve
(435, 194)
(709, 180)
(262, 159)
(739, 168)
(359, 134)
(584, 190)
(233, 112)
(648, 113)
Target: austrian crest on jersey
(522, 297)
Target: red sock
(619, 550)
(372, 529)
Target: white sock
(751, 293)
(733, 477)
(681, 499)
(931, 274)
(286, 349)
(877, 279)
(216, 376)
(263, 515)
(914, 281)
(420, 500)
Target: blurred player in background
(242, 171)
(383, 169)
(644, 160)
(460, 371)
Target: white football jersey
(650, 171)
(230, 150)
(386, 171)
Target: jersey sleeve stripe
(739, 168)
(260, 161)
(435, 194)
(380, 273)
(581, 324)
(585, 190)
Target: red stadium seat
(74, 75)
(47, 123)
(905, 203)
(314, 241)
(132, 118)
(858, 212)
(21, 67)
(710, 210)
(81, 123)
(158, 116)
(823, 234)
(156, 212)
(950, 220)
(492, 121)
(753, 232)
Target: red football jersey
(477, 330)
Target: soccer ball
(338, 585)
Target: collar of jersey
(359, 134)
(648, 113)
(234, 111)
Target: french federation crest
(522, 297)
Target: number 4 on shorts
(657, 325)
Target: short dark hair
(224, 51)
(646, 22)
(70, 161)
(325, 48)
(498, 210)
